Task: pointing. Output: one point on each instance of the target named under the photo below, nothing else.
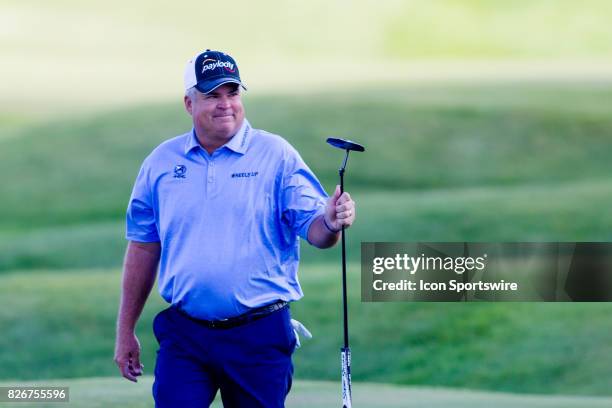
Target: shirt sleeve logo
(179, 171)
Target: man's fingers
(344, 215)
(345, 207)
(344, 198)
(136, 369)
(134, 364)
(336, 194)
(124, 367)
(127, 374)
(127, 356)
(130, 366)
(345, 210)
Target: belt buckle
(215, 324)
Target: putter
(345, 352)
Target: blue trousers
(251, 364)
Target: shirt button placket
(211, 175)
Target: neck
(209, 142)
(209, 145)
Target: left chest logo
(179, 171)
(245, 175)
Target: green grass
(82, 170)
(61, 325)
(445, 28)
(480, 163)
(497, 162)
(484, 160)
(93, 393)
(555, 212)
(489, 28)
(279, 45)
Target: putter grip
(345, 357)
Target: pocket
(159, 324)
(290, 336)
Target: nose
(223, 102)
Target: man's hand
(127, 356)
(139, 271)
(340, 211)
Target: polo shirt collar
(238, 143)
(191, 142)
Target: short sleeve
(140, 218)
(303, 198)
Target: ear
(188, 105)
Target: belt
(248, 317)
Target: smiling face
(217, 115)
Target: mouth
(224, 116)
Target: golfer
(220, 211)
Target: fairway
(451, 177)
(483, 121)
(93, 393)
(519, 348)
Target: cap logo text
(216, 64)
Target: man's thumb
(336, 193)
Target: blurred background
(484, 120)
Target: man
(219, 210)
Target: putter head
(345, 144)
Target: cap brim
(209, 86)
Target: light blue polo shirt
(228, 223)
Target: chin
(227, 131)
